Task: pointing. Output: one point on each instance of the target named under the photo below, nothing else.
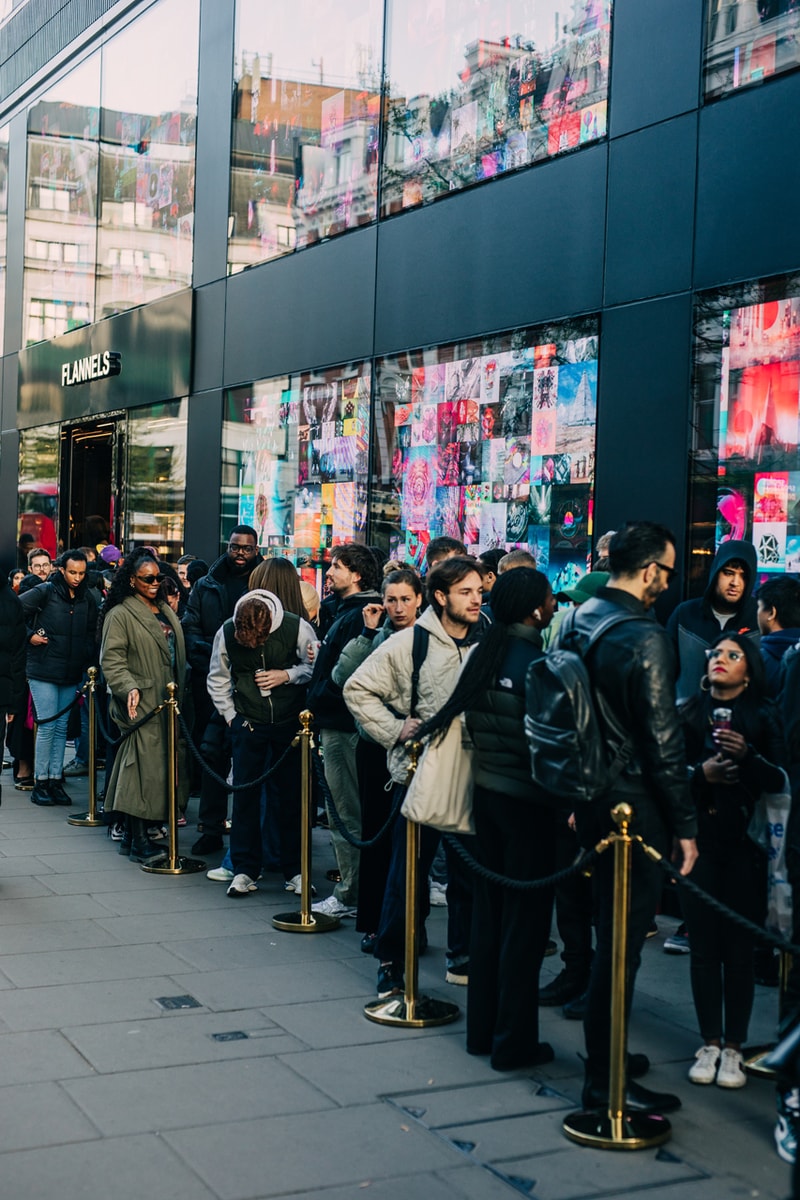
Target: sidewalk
(271, 1082)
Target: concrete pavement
(268, 1081)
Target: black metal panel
(213, 142)
(748, 181)
(203, 471)
(655, 61)
(310, 309)
(643, 415)
(651, 192)
(38, 32)
(519, 250)
(154, 342)
(9, 394)
(15, 240)
(209, 336)
(9, 476)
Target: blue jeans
(51, 738)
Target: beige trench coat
(134, 654)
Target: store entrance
(91, 465)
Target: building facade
(511, 272)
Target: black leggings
(722, 972)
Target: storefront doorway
(92, 454)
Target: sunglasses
(151, 578)
(671, 571)
(734, 655)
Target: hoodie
(693, 626)
(773, 646)
(212, 601)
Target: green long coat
(134, 654)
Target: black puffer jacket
(210, 605)
(632, 670)
(496, 722)
(69, 622)
(13, 643)
(324, 696)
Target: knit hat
(110, 554)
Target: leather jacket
(632, 669)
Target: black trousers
(574, 907)
(376, 804)
(510, 928)
(646, 881)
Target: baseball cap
(586, 587)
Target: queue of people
(389, 658)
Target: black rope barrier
(521, 885)
(68, 708)
(114, 742)
(358, 843)
(773, 939)
(230, 787)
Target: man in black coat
(210, 604)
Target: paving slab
(229, 922)
(119, 882)
(325, 1024)
(508, 1098)
(106, 962)
(32, 1057)
(12, 867)
(266, 948)
(72, 1004)
(40, 1115)
(30, 938)
(259, 986)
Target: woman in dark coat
(735, 751)
(514, 827)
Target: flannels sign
(94, 366)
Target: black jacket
(70, 623)
(496, 721)
(632, 670)
(209, 606)
(692, 626)
(324, 696)
(13, 643)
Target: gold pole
(305, 921)
(755, 1062)
(90, 819)
(173, 863)
(614, 1129)
(412, 1010)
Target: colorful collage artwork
(758, 494)
(499, 450)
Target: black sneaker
(390, 981)
(41, 794)
(58, 794)
(561, 990)
(208, 843)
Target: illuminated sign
(93, 366)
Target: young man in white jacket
(376, 693)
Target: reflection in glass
(39, 452)
(3, 223)
(147, 157)
(156, 478)
(749, 40)
(61, 210)
(745, 462)
(490, 441)
(306, 120)
(478, 89)
(294, 461)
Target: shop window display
(492, 442)
(745, 464)
(37, 505)
(155, 493)
(475, 90)
(747, 41)
(3, 220)
(306, 124)
(294, 462)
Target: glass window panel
(745, 460)
(37, 509)
(156, 474)
(491, 441)
(62, 199)
(306, 123)
(478, 89)
(3, 223)
(295, 461)
(147, 157)
(747, 41)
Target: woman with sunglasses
(735, 748)
(142, 650)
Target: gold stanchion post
(756, 1061)
(305, 921)
(411, 1011)
(173, 863)
(90, 819)
(616, 1129)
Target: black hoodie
(693, 626)
(211, 602)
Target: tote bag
(440, 792)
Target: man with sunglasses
(211, 603)
(631, 669)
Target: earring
(705, 680)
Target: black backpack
(569, 755)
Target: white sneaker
(704, 1069)
(295, 884)
(438, 895)
(241, 885)
(220, 874)
(731, 1070)
(334, 908)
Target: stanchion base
(394, 1011)
(292, 922)
(754, 1063)
(639, 1131)
(184, 866)
(85, 819)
